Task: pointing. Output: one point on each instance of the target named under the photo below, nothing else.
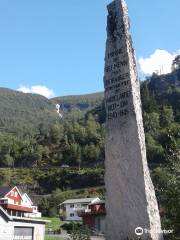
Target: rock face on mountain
(130, 202)
(162, 83)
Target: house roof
(30, 220)
(27, 196)
(7, 189)
(80, 200)
(5, 215)
(4, 191)
(97, 202)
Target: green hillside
(24, 113)
(69, 154)
(81, 101)
(76, 106)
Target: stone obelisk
(132, 209)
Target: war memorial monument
(132, 209)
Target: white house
(69, 208)
(27, 202)
(16, 228)
(16, 203)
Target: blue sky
(60, 44)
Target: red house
(12, 202)
(94, 216)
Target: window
(12, 193)
(72, 206)
(4, 201)
(23, 233)
(71, 214)
(84, 205)
(15, 194)
(19, 214)
(13, 213)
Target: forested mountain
(86, 101)
(35, 143)
(24, 113)
(76, 106)
(42, 139)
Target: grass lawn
(53, 238)
(54, 224)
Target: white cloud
(160, 62)
(38, 89)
